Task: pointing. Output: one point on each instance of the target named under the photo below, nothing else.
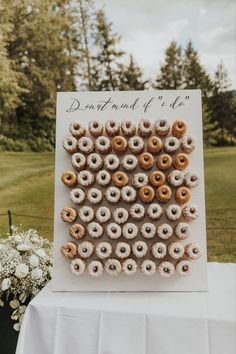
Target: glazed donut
(69, 249)
(111, 162)
(94, 229)
(183, 267)
(190, 212)
(146, 160)
(175, 178)
(103, 178)
(166, 269)
(140, 180)
(77, 196)
(68, 214)
(70, 144)
(86, 145)
(176, 250)
(192, 250)
(95, 268)
(94, 196)
(163, 193)
(182, 195)
(148, 230)
(85, 249)
(148, 267)
(188, 143)
(171, 144)
(69, 178)
(145, 127)
(162, 127)
(122, 250)
(86, 214)
(182, 230)
(128, 194)
(103, 250)
(164, 162)
(112, 127)
(77, 129)
(179, 128)
(103, 144)
(139, 249)
(77, 231)
(120, 179)
(95, 128)
(77, 266)
(137, 211)
(173, 212)
(85, 178)
(119, 144)
(129, 266)
(130, 231)
(94, 162)
(158, 250)
(103, 214)
(146, 194)
(113, 231)
(112, 194)
(129, 162)
(78, 161)
(181, 161)
(191, 180)
(164, 231)
(154, 211)
(113, 266)
(157, 178)
(136, 144)
(120, 215)
(154, 144)
(128, 128)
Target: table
(134, 323)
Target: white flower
(18, 238)
(1, 247)
(34, 260)
(6, 283)
(23, 247)
(41, 253)
(36, 273)
(21, 271)
(1, 267)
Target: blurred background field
(27, 188)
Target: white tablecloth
(134, 323)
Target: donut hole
(129, 267)
(77, 267)
(180, 125)
(78, 160)
(84, 250)
(122, 249)
(157, 178)
(94, 160)
(195, 250)
(128, 125)
(154, 210)
(68, 177)
(183, 230)
(164, 161)
(85, 143)
(177, 177)
(174, 211)
(103, 177)
(164, 191)
(95, 269)
(102, 142)
(166, 270)
(120, 178)
(86, 213)
(146, 159)
(113, 229)
(70, 143)
(118, 142)
(129, 162)
(111, 162)
(136, 143)
(165, 231)
(172, 143)
(192, 210)
(137, 211)
(148, 267)
(189, 141)
(95, 125)
(160, 250)
(103, 250)
(183, 193)
(146, 192)
(185, 268)
(94, 195)
(95, 229)
(146, 124)
(112, 267)
(140, 248)
(154, 142)
(77, 195)
(103, 213)
(112, 124)
(128, 193)
(177, 250)
(76, 126)
(67, 213)
(162, 123)
(148, 230)
(130, 231)
(113, 194)
(140, 179)
(85, 177)
(193, 178)
(182, 159)
(120, 215)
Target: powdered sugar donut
(103, 144)
(130, 231)
(77, 129)
(136, 144)
(129, 266)
(139, 249)
(192, 250)
(77, 266)
(182, 230)
(148, 230)
(120, 215)
(137, 211)
(70, 144)
(166, 269)
(145, 127)
(162, 127)
(111, 162)
(129, 162)
(77, 196)
(85, 249)
(173, 212)
(112, 195)
(128, 128)
(94, 195)
(78, 161)
(94, 162)
(171, 144)
(103, 250)
(86, 213)
(190, 212)
(94, 229)
(158, 250)
(154, 211)
(176, 250)
(183, 267)
(191, 180)
(95, 128)
(128, 194)
(140, 180)
(85, 178)
(122, 250)
(103, 178)
(113, 266)
(113, 231)
(176, 178)
(95, 268)
(112, 127)
(86, 145)
(164, 231)
(188, 143)
(103, 214)
(148, 267)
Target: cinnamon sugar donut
(190, 212)
(154, 211)
(157, 178)
(113, 266)
(85, 178)
(129, 162)
(86, 214)
(68, 214)
(140, 180)
(145, 127)
(77, 266)
(85, 249)
(146, 194)
(191, 180)
(137, 211)
(77, 231)
(94, 162)
(128, 194)
(163, 193)
(95, 128)
(162, 127)
(112, 127)
(182, 230)
(166, 269)
(179, 128)
(158, 250)
(70, 144)
(154, 144)
(188, 143)
(164, 162)
(77, 195)
(128, 128)
(182, 195)
(103, 178)
(95, 268)
(136, 144)
(181, 161)
(86, 145)
(111, 162)
(69, 249)
(146, 160)
(103, 144)
(119, 144)
(69, 178)
(175, 178)
(171, 144)
(78, 161)
(148, 267)
(77, 129)
(120, 179)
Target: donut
(77, 231)
(95, 128)
(119, 144)
(157, 178)
(103, 250)
(78, 161)
(148, 267)
(120, 179)
(140, 180)
(158, 250)
(120, 215)
(94, 162)
(190, 212)
(154, 211)
(95, 268)
(77, 266)
(171, 145)
(181, 161)
(182, 230)
(192, 250)
(173, 212)
(128, 194)
(176, 178)
(191, 180)
(188, 143)
(111, 162)
(163, 193)
(68, 214)
(130, 231)
(129, 266)
(166, 269)
(113, 266)
(146, 194)
(136, 144)
(182, 195)
(154, 144)
(77, 196)
(85, 145)
(85, 178)
(148, 230)
(112, 127)
(113, 230)
(183, 267)
(94, 196)
(145, 127)
(129, 162)
(103, 214)
(70, 144)
(69, 249)
(146, 160)
(178, 128)
(94, 229)
(86, 214)
(103, 178)
(164, 162)
(176, 250)
(139, 249)
(103, 144)
(122, 250)
(112, 194)
(85, 249)
(69, 178)
(164, 231)
(137, 211)
(128, 128)
(162, 127)
(77, 129)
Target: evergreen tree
(131, 76)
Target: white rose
(6, 283)
(41, 253)
(21, 271)
(36, 273)
(23, 247)
(34, 261)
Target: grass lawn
(26, 187)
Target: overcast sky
(148, 26)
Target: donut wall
(129, 192)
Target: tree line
(65, 45)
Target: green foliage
(8, 144)
(130, 76)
